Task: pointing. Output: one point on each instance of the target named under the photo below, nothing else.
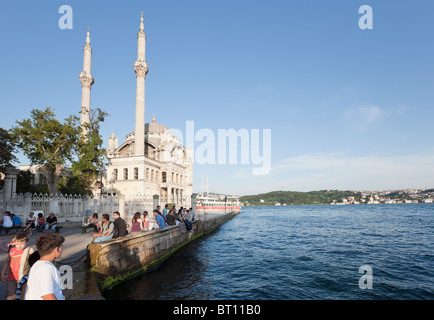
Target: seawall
(116, 261)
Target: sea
(322, 252)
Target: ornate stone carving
(141, 68)
(86, 79)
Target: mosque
(151, 161)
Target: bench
(13, 228)
(85, 227)
(22, 228)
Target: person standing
(16, 265)
(165, 211)
(44, 279)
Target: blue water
(301, 252)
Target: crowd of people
(40, 223)
(140, 222)
(31, 274)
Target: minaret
(141, 69)
(86, 81)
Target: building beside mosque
(151, 160)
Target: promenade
(74, 254)
(74, 248)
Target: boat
(214, 205)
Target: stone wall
(118, 260)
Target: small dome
(154, 127)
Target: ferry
(214, 205)
(207, 204)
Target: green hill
(299, 198)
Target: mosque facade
(151, 160)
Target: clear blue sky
(347, 108)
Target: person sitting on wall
(146, 225)
(51, 222)
(187, 222)
(170, 218)
(106, 230)
(120, 224)
(160, 220)
(136, 223)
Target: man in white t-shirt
(44, 279)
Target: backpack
(115, 230)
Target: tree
(48, 142)
(91, 155)
(7, 148)
(72, 185)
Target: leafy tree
(48, 142)
(7, 148)
(25, 184)
(90, 161)
(72, 185)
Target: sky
(335, 106)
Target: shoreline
(88, 282)
(117, 261)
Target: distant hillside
(298, 198)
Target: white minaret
(86, 81)
(141, 69)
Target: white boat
(209, 204)
(214, 205)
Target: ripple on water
(301, 252)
